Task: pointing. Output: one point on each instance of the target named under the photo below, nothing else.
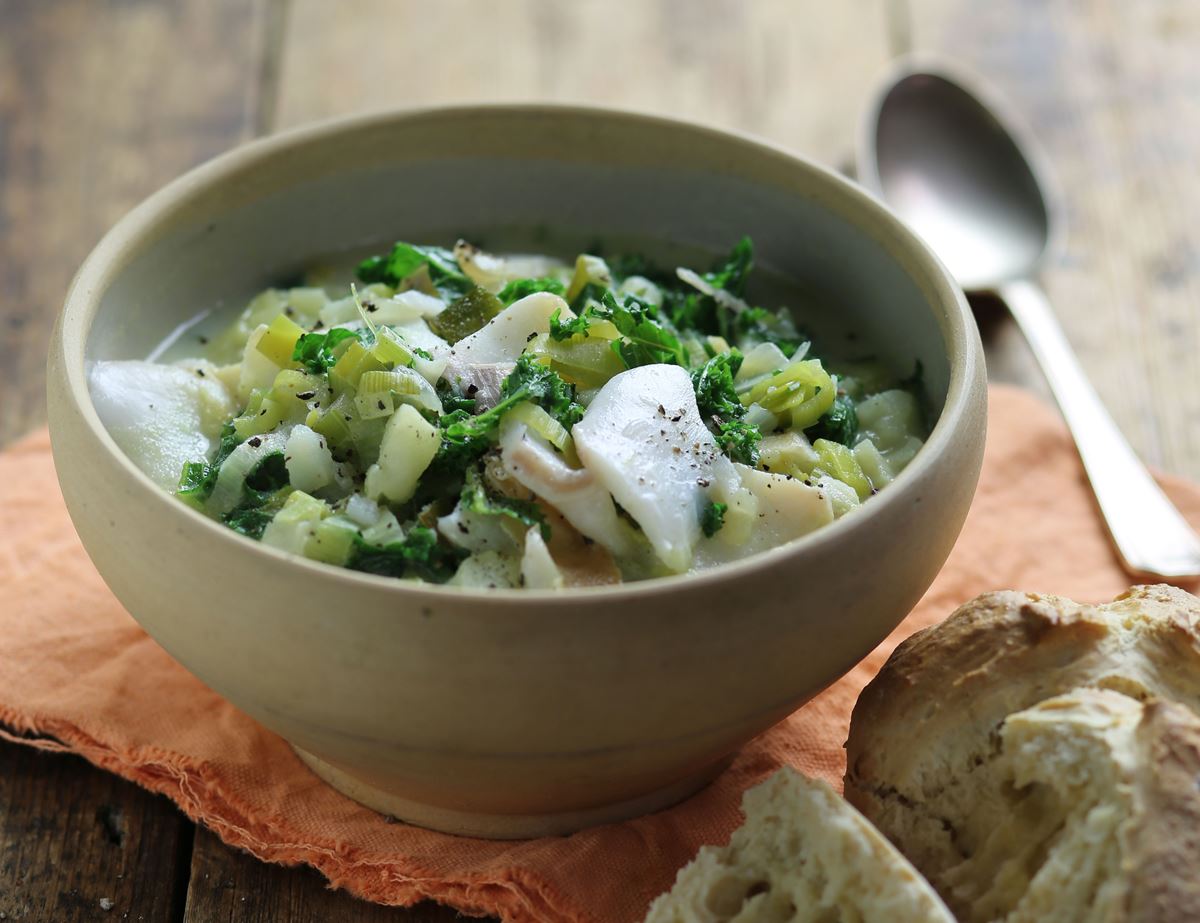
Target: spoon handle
(1151, 536)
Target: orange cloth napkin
(78, 674)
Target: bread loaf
(1083, 807)
(803, 856)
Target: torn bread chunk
(1086, 837)
(930, 758)
(804, 855)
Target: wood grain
(228, 885)
(76, 842)
(794, 71)
(1112, 91)
(101, 103)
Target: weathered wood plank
(76, 842)
(228, 885)
(100, 103)
(1112, 90)
(794, 71)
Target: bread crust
(1166, 846)
(803, 855)
(925, 734)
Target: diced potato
(787, 453)
(409, 445)
(307, 302)
(309, 462)
(258, 370)
(279, 341)
(889, 418)
(901, 455)
(332, 541)
(295, 524)
(873, 464)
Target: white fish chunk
(575, 492)
(481, 381)
(643, 439)
(504, 337)
(160, 415)
(781, 509)
(538, 570)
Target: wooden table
(102, 102)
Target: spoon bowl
(956, 166)
(955, 173)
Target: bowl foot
(506, 826)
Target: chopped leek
(278, 342)
(803, 390)
(378, 389)
(356, 360)
(357, 429)
(837, 460)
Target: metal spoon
(935, 149)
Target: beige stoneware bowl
(512, 713)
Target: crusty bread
(803, 856)
(936, 745)
(1103, 824)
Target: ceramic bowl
(513, 713)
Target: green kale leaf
(419, 554)
(406, 259)
(532, 381)
(645, 340)
(576, 326)
(721, 409)
(519, 288)
(197, 479)
(452, 400)
(838, 424)
(263, 495)
(689, 309)
(731, 274)
(477, 499)
(713, 384)
(252, 518)
(466, 437)
(739, 440)
(315, 350)
(713, 517)
(625, 265)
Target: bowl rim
(110, 256)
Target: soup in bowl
(516, 464)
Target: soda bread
(803, 855)
(1038, 759)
